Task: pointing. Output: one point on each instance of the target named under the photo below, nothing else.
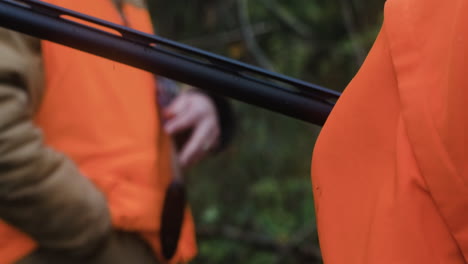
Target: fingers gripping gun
(217, 74)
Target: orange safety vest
(104, 116)
(389, 169)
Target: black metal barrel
(216, 79)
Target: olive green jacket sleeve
(42, 193)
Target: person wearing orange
(85, 150)
(389, 168)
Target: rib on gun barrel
(217, 74)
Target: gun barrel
(138, 50)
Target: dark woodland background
(253, 203)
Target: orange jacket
(389, 168)
(104, 116)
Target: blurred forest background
(253, 203)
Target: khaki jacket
(42, 191)
(37, 182)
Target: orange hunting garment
(390, 168)
(104, 116)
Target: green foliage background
(253, 203)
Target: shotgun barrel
(214, 73)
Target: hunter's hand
(193, 111)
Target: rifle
(217, 74)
